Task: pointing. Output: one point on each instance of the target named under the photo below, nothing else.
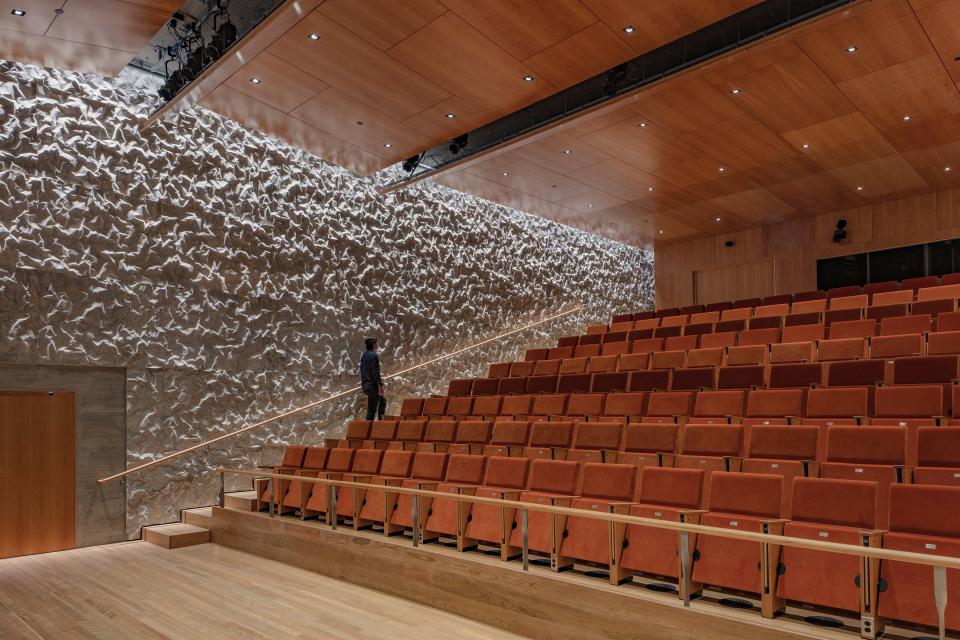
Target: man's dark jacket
(370, 378)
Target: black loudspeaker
(840, 233)
(729, 243)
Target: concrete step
(241, 500)
(200, 517)
(176, 535)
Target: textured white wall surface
(235, 276)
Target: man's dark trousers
(376, 404)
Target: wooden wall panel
(782, 258)
(37, 472)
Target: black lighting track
(729, 34)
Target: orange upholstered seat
(503, 480)
(593, 440)
(464, 472)
(549, 440)
(550, 482)
(937, 456)
(314, 461)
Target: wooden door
(37, 472)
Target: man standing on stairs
(371, 382)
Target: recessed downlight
(505, 173)
(256, 80)
(722, 169)
(642, 124)
(649, 188)
(590, 204)
(567, 151)
(528, 78)
(314, 36)
(629, 28)
(18, 12)
(851, 49)
(805, 145)
(859, 188)
(735, 91)
(717, 220)
(451, 115)
(661, 231)
(906, 118)
(946, 169)
(387, 145)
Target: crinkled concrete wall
(235, 276)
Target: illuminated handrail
(327, 399)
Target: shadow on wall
(235, 276)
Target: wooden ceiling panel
(561, 152)
(938, 166)
(642, 144)
(51, 52)
(523, 29)
(40, 15)
(529, 177)
(113, 24)
(939, 19)
(687, 105)
(880, 177)
(846, 140)
(918, 89)
(282, 86)
(596, 120)
(592, 201)
(756, 206)
(459, 58)
(435, 123)
(885, 33)
(617, 177)
(260, 116)
(657, 23)
(582, 55)
(340, 58)
(383, 23)
(815, 193)
(336, 113)
(740, 144)
(360, 162)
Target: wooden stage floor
(138, 591)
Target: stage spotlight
(410, 164)
(614, 77)
(458, 143)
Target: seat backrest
(367, 462)
(356, 430)
(925, 369)
(487, 405)
(795, 374)
(904, 296)
(843, 292)
(909, 401)
(463, 468)
(948, 321)
(316, 458)
(461, 387)
(673, 321)
(598, 435)
(340, 460)
(670, 487)
(803, 333)
(744, 377)
(759, 336)
(459, 406)
(668, 403)
(396, 464)
(925, 510)
(771, 311)
(938, 447)
(943, 343)
(551, 434)
(724, 339)
(880, 287)
(599, 364)
(705, 357)
(856, 373)
(809, 295)
(680, 343)
(775, 403)
(633, 361)
(749, 494)
(706, 316)
(411, 407)
(651, 438)
(506, 473)
(608, 481)
(712, 440)
(841, 349)
(897, 346)
(844, 402)
(553, 367)
(692, 379)
(411, 430)
(741, 313)
(858, 301)
(718, 306)
(780, 442)
(709, 404)
(549, 404)
(852, 329)
(918, 282)
(905, 324)
(943, 292)
(554, 476)
(510, 432)
(808, 306)
(542, 384)
(428, 465)
(847, 503)
(574, 383)
(746, 303)
(383, 430)
(783, 298)
(867, 445)
(481, 387)
(474, 431)
(586, 404)
(625, 404)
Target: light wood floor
(139, 591)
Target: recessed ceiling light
(735, 91)
(629, 28)
(528, 78)
(18, 12)
(451, 115)
(649, 188)
(642, 124)
(567, 151)
(359, 123)
(314, 36)
(661, 231)
(717, 220)
(722, 169)
(256, 80)
(851, 49)
(859, 188)
(388, 145)
(590, 204)
(805, 145)
(505, 173)
(906, 118)
(946, 169)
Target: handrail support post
(524, 533)
(272, 496)
(940, 598)
(685, 567)
(416, 521)
(220, 494)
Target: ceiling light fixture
(661, 231)
(629, 28)
(805, 145)
(590, 204)
(717, 220)
(256, 80)
(722, 169)
(567, 151)
(18, 12)
(528, 78)
(859, 188)
(649, 188)
(851, 49)
(451, 115)
(735, 91)
(314, 36)
(906, 118)
(946, 169)
(505, 173)
(388, 145)
(642, 124)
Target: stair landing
(175, 536)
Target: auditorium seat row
(921, 518)
(854, 404)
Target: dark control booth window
(935, 258)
